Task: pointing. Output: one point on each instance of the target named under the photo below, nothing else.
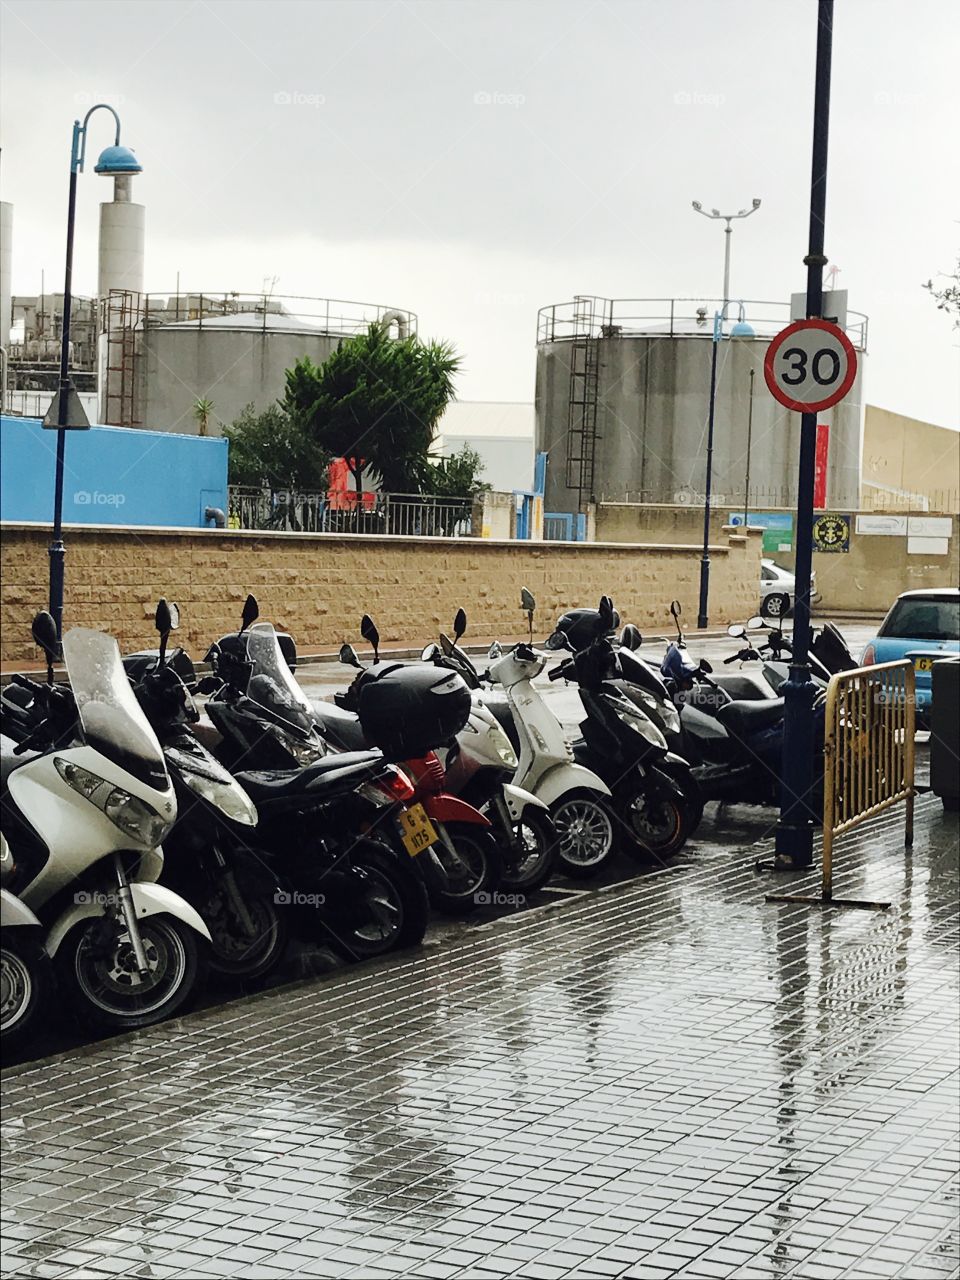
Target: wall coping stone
(369, 539)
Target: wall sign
(883, 526)
(831, 533)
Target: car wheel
(775, 605)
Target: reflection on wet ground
(668, 1077)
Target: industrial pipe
(216, 515)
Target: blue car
(922, 625)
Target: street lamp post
(703, 618)
(115, 161)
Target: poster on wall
(831, 532)
(777, 528)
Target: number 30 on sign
(810, 366)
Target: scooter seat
(744, 718)
(340, 726)
(336, 772)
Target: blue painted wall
(113, 475)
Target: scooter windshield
(111, 720)
(271, 683)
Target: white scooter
(84, 814)
(577, 797)
(25, 978)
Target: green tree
(271, 450)
(947, 296)
(375, 402)
(457, 476)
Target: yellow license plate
(923, 664)
(416, 829)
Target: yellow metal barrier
(868, 748)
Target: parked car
(922, 625)
(778, 589)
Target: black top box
(408, 710)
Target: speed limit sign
(810, 365)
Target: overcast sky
(475, 161)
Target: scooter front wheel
(462, 869)
(660, 825)
(586, 832)
(236, 951)
(98, 961)
(533, 854)
(25, 984)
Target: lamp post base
(57, 553)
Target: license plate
(923, 664)
(416, 830)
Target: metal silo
(622, 405)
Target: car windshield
(111, 720)
(271, 682)
(923, 618)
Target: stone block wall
(318, 585)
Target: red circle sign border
(836, 396)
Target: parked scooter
(463, 867)
(479, 766)
(86, 802)
(207, 858)
(337, 829)
(578, 800)
(25, 971)
(620, 740)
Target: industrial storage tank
(622, 406)
(161, 353)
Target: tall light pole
(703, 617)
(114, 162)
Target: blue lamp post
(116, 161)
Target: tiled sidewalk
(666, 1078)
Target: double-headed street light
(115, 162)
(703, 616)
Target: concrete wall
(906, 456)
(113, 475)
(652, 417)
(870, 576)
(318, 586)
(495, 515)
(633, 522)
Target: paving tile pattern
(669, 1078)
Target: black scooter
(654, 792)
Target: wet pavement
(664, 1077)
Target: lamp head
(117, 162)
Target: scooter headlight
(229, 797)
(670, 717)
(132, 815)
(639, 723)
(503, 747)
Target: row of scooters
(429, 783)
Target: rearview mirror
(495, 650)
(756, 623)
(527, 600)
(166, 617)
(208, 684)
(556, 641)
(630, 637)
(44, 631)
(251, 612)
(736, 630)
(368, 629)
(429, 653)
(675, 609)
(705, 666)
(459, 625)
(348, 656)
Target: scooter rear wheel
(385, 907)
(458, 882)
(586, 831)
(532, 867)
(25, 983)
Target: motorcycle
(463, 866)
(207, 855)
(478, 765)
(338, 830)
(86, 803)
(25, 973)
(621, 742)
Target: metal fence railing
(868, 757)
(309, 511)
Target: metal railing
(668, 318)
(868, 747)
(262, 310)
(408, 515)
